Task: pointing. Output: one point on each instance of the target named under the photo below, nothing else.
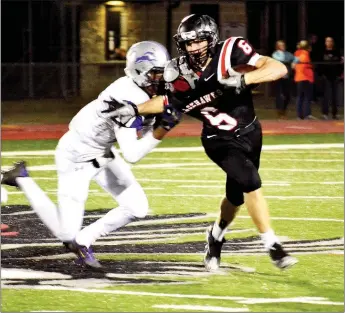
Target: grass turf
(304, 190)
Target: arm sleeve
(133, 149)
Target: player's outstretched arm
(241, 53)
(133, 149)
(267, 70)
(152, 106)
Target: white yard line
(221, 195)
(310, 219)
(267, 182)
(98, 243)
(308, 300)
(201, 217)
(223, 186)
(206, 166)
(211, 167)
(305, 160)
(197, 149)
(307, 152)
(103, 194)
(206, 308)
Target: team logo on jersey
(203, 100)
(148, 56)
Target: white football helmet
(145, 57)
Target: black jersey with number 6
(201, 95)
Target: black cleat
(280, 258)
(213, 249)
(18, 170)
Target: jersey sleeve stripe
(224, 63)
(165, 100)
(223, 59)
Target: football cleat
(280, 258)
(18, 170)
(85, 255)
(212, 251)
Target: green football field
(155, 264)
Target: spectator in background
(304, 78)
(315, 56)
(282, 85)
(315, 48)
(331, 71)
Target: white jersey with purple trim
(91, 134)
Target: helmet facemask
(155, 84)
(197, 28)
(198, 57)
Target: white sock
(218, 233)
(269, 239)
(113, 220)
(40, 203)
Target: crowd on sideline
(309, 67)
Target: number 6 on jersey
(228, 122)
(247, 49)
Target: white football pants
(65, 221)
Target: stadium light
(116, 3)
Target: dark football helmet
(197, 27)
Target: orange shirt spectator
(304, 68)
(304, 78)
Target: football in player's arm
(206, 82)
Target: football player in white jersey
(86, 153)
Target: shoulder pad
(171, 71)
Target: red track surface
(186, 128)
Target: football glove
(120, 113)
(169, 118)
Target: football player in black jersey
(204, 84)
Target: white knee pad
(134, 199)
